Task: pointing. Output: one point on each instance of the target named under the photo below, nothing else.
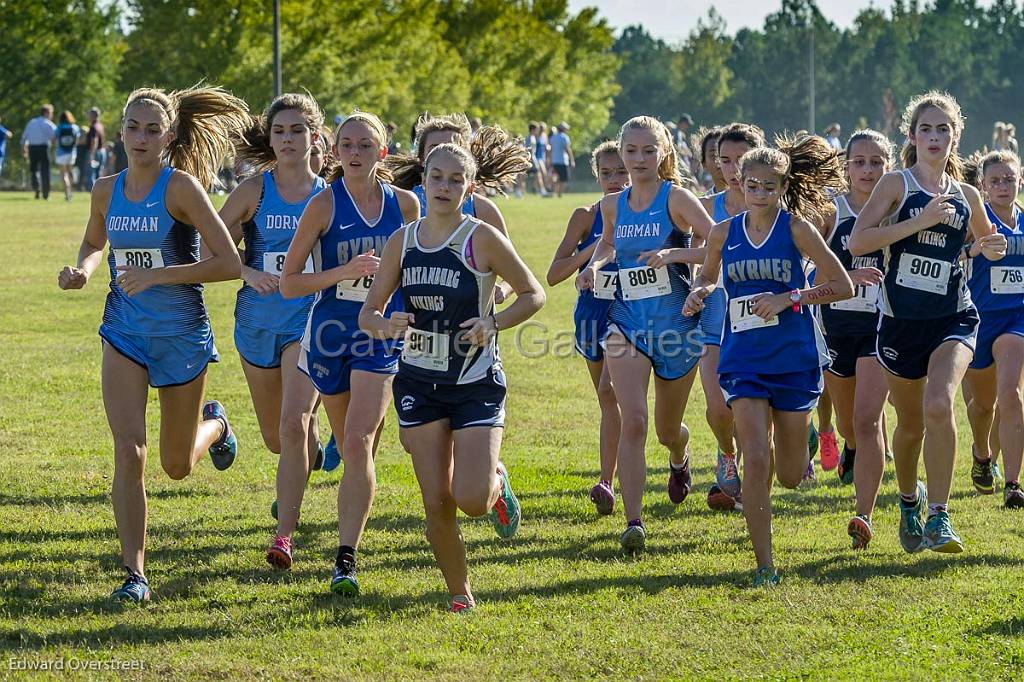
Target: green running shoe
(912, 521)
(982, 475)
(343, 579)
(939, 535)
(766, 576)
(812, 440)
(506, 512)
(634, 538)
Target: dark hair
(206, 121)
(254, 145)
(999, 156)
(810, 167)
(499, 158)
(706, 137)
(606, 147)
(946, 103)
(67, 117)
(874, 136)
(747, 133)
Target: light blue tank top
(143, 234)
(267, 238)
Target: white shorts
(66, 159)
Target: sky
(672, 20)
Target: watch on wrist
(794, 296)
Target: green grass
(559, 601)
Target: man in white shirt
(832, 134)
(39, 133)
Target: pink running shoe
(829, 450)
(280, 553)
(603, 497)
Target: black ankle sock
(346, 555)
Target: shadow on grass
(850, 568)
(49, 500)
(15, 640)
(1011, 627)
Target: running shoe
(939, 535)
(603, 497)
(812, 440)
(224, 449)
(719, 501)
(859, 530)
(679, 481)
(997, 474)
(981, 474)
(273, 509)
(461, 604)
(727, 475)
(889, 457)
(845, 464)
(343, 579)
(912, 521)
(280, 553)
(809, 472)
(318, 463)
(829, 450)
(634, 538)
(134, 589)
(332, 458)
(1013, 496)
(506, 512)
(766, 576)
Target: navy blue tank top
(442, 290)
(858, 315)
(923, 276)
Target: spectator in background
(681, 138)
(561, 157)
(535, 176)
(393, 145)
(35, 143)
(120, 160)
(97, 147)
(5, 135)
(1003, 137)
(68, 133)
(832, 134)
(82, 162)
(474, 125)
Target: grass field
(558, 601)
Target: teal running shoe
(939, 535)
(223, 450)
(506, 512)
(812, 440)
(766, 576)
(134, 590)
(912, 521)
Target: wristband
(794, 296)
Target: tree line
(512, 61)
(864, 74)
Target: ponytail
(206, 122)
(253, 146)
(810, 168)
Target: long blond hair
(669, 168)
(380, 135)
(946, 103)
(206, 122)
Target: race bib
(644, 282)
(923, 274)
(139, 258)
(273, 262)
(742, 317)
(1006, 280)
(354, 290)
(425, 350)
(606, 284)
(865, 300)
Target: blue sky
(672, 20)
